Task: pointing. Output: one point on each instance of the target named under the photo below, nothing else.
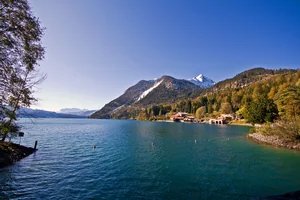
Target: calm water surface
(126, 166)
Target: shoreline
(273, 140)
(229, 124)
(245, 124)
(11, 153)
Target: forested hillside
(257, 95)
(248, 77)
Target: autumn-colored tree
(200, 112)
(236, 99)
(272, 93)
(288, 101)
(258, 92)
(226, 108)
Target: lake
(187, 161)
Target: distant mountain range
(77, 111)
(36, 113)
(166, 89)
(64, 113)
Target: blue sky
(95, 49)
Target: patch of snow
(199, 78)
(116, 109)
(145, 93)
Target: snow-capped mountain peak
(202, 81)
(199, 78)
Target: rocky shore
(274, 141)
(11, 153)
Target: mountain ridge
(248, 77)
(77, 111)
(38, 113)
(170, 90)
(128, 97)
(145, 93)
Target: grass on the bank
(239, 122)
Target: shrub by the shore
(287, 129)
(284, 133)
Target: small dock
(217, 121)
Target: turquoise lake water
(221, 164)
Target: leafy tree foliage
(20, 51)
(288, 101)
(262, 110)
(200, 112)
(156, 110)
(243, 112)
(226, 108)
